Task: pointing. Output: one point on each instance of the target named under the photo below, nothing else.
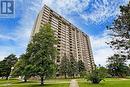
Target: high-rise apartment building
(72, 41)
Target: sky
(90, 16)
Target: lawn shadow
(22, 82)
(48, 85)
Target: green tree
(23, 68)
(7, 64)
(2, 69)
(81, 68)
(117, 66)
(120, 31)
(73, 67)
(64, 66)
(43, 52)
(103, 71)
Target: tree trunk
(25, 80)
(73, 76)
(6, 77)
(42, 81)
(65, 75)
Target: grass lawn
(107, 83)
(48, 83)
(65, 83)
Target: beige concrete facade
(72, 41)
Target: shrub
(96, 76)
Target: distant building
(72, 41)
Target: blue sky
(91, 16)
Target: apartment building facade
(71, 40)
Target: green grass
(113, 82)
(106, 83)
(48, 83)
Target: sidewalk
(74, 83)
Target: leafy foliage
(81, 68)
(97, 75)
(43, 52)
(64, 66)
(73, 67)
(39, 59)
(120, 31)
(117, 66)
(6, 65)
(23, 68)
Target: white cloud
(101, 50)
(5, 51)
(102, 10)
(67, 6)
(101, 55)
(26, 23)
(5, 37)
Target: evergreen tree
(64, 66)
(81, 68)
(120, 31)
(43, 52)
(73, 67)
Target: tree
(7, 64)
(120, 31)
(43, 52)
(23, 67)
(64, 66)
(73, 67)
(81, 68)
(2, 70)
(103, 71)
(117, 66)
